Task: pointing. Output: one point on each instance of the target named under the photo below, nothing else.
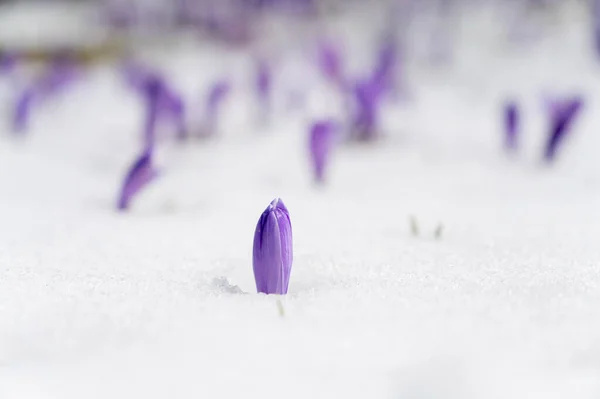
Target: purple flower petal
(162, 101)
(383, 73)
(263, 81)
(173, 107)
(21, 110)
(57, 76)
(139, 175)
(330, 62)
(273, 250)
(216, 94)
(562, 117)
(511, 124)
(320, 144)
(61, 72)
(7, 62)
(367, 95)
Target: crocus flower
(57, 76)
(330, 62)
(139, 175)
(321, 141)
(21, 110)
(384, 70)
(216, 94)
(263, 82)
(7, 62)
(562, 116)
(367, 96)
(273, 252)
(162, 102)
(511, 124)
(595, 4)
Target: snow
(160, 302)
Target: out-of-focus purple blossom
(174, 109)
(61, 72)
(595, 14)
(385, 67)
(214, 98)
(162, 102)
(511, 125)
(562, 116)
(330, 62)
(7, 62)
(273, 250)
(263, 81)
(21, 111)
(367, 100)
(321, 141)
(139, 175)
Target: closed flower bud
(272, 255)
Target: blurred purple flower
(367, 96)
(321, 141)
(21, 111)
(61, 72)
(273, 250)
(162, 102)
(562, 115)
(139, 175)
(263, 82)
(330, 62)
(595, 14)
(216, 94)
(384, 70)
(511, 124)
(7, 62)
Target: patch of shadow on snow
(223, 285)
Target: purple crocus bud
(383, 73)
(595, 4)
(7, 62)
(320, 144)
(21, 111)
(172, 105)
(162, 101)
(562, 117)
(139, 175)
(59, 74)
(263, 82)
(367, 95)
(511, 125)
(273, 254)
(153, 92)
(330, 62)
(216, 94)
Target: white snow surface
(160, 302)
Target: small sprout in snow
(273, 250)
(140, 174)
(414, 226)
(280, 308)
(439, 230)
